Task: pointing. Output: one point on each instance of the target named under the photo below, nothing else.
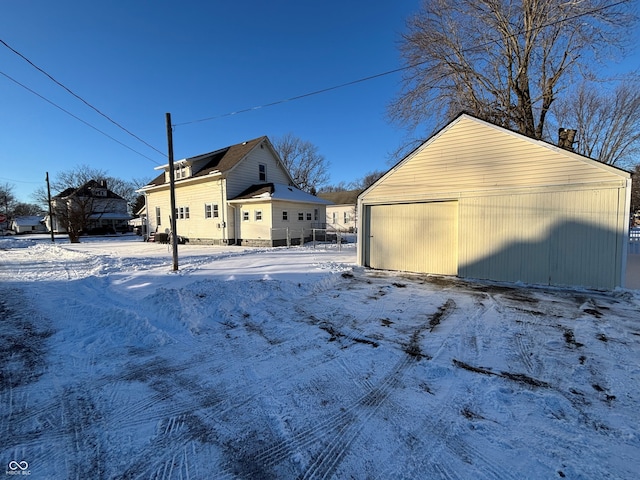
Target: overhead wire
(278, 102)
(75, 116)
(79, 97)
(389, 72)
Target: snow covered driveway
(294, 363)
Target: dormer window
(99, 192)
(262, 172)
(181, 171)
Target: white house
(241, 194)
(480, 201)
(95, 206)
(29, 224)
(342, 214)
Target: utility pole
(172, 189)
(53, 240)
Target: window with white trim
(245, 216)
(211, 210)
(182, 212)
(262, 172)
(308, 216)
(285, 216)
(158, 216)
(258, 215)
(300, 216)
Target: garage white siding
(414, 237)
(525, 211)
(557, 238)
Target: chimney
(566, 138)
(103, 183)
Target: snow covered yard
(294, 363)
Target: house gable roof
(277, 191)
(346, 197)
(87, 190)
(223, 160)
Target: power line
(76, 117)
(396, 70)
(79, 97)
(298, 97)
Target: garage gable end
(479, 201)
(471, 155)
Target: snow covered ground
(295, 363)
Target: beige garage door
(413, 237)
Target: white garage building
(480, 201)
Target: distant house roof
(28, 220)
(345, 197)
(278, 191)
(221, 160)
(87, 190)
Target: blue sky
(137, 60)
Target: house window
(245, 216)
(180, 172)
(262, 172)
(334, 217)
(285, 216)
(158, 216)
(300, 216)
(211, 210)
(308, 217)
(315, 214)
(346, 217)
(182, 212)
(258, 215)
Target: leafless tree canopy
(635, 190)
(505, 61)
(308, 168)
(81, 174)
(607, 123)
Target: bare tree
(71, 214)
(607, 123)
(7, 197)
(367, 180)
(21, 209)
(307, 167)
(81, 174)
(635, 191)
(504, 61)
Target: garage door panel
(414, 237)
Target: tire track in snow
(335, 434)
(343, 428)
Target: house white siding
(526, 210)
(247, 172)
(341, 217)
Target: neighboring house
(479, 201)
(241, 194)
(29, 224)
(93, 207)
(342, 215)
